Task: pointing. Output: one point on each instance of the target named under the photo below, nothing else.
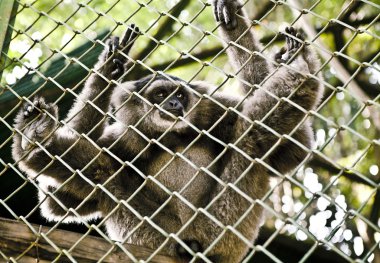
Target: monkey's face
(156, 104)
(170, 102)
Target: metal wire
(295, 225)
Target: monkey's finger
(220, 6)
(300, 40)
(291, 30)
(52, 109)
(297, 43)
(282, 51)
(135, 32)
(226, 15)
(119, 68)
(293, 43)
(233, 24)
(300, 37)
(28, 109)
(129, 38)
(236, 7)
(39, 103)
(234, 21)
(127, 65)
(129, 35)
(109, 48)
(229, 18)
(115, 43)
(293, 40)
(214, 9)
(35, 100)
(126, 37)
(287, 39)
(278, 56)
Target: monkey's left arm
(110, 66)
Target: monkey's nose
(174, 104)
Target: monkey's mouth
(176, 113)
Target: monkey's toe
(294, 40)
(30, 110)
(225, 13)
(279, 55)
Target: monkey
(182, 167)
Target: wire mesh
(327, 209)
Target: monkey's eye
(179, 95)
(160, 94)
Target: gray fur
(212, 165)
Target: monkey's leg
(73, 161)
(58, 210)
(83, 117)
(243, 48)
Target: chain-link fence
(114, 186)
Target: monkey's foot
(294, 41)
(39, 104)
(192, 244)
(115, 49)
(225, 13)
(39, 119)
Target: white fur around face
(164, 124)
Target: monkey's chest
(184, 173)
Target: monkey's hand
(115, 53)
(37, 122)
(294, 41)
(225, 12)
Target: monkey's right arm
(111, 65)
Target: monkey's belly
(183, 176)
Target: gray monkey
(181, 168)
